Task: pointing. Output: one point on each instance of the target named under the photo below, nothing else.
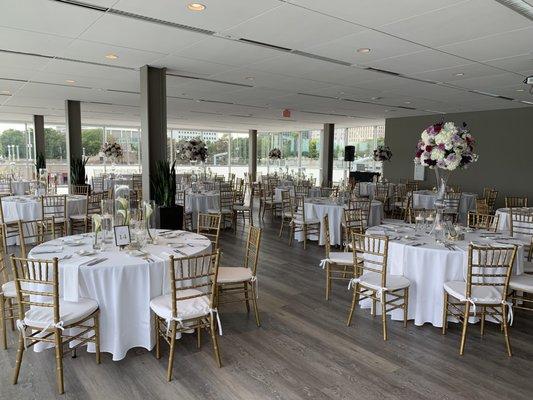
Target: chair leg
(281, 228)
(157, 338)
(405, 306)
(198, 337)
(59, 361)
(445, 314)
(247, 300)
(20, 352)
(97, 336)
(292, 231)
(355, 301)
(305, 235)
(328, 280)
(254, 303)
(482, 325)
(506, 330)
(465, 327)
(215, 341)
(384, 315)
(11, 314)
(171, 351)
(3, 321)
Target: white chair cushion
(241, 208)
(522, 282)
(69, 312)
(233, 274)
(186, 309)
(341, 257)
(480, 294)
(9, 290)
(372, 280)
(307, 221)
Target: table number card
(122, 235)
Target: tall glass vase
(439, 225)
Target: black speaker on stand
(349, 155)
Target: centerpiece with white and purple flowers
(447, 147)
(382, 153)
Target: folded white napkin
(47, 249)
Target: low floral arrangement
(274, 154)
(112, 150)
(193, 150)
(382, 153)
(446, 146)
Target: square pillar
(73, 125)
(326, 154)
(38, 132)
(153, 123)
(252, 154)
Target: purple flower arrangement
(274, 154)
(193, 150)
(112, 150)
(382, 153)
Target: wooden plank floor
(303, 350)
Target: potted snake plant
(169, 215)
(77, 171)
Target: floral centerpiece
(275, 154)
(382, 153)
(193, 150)
(112, 150)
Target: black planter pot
(169, 217)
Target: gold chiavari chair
(490, 195)
(225, 206)
(209, 225)
(455, 188)
(181, 199)
(231, 179)
(8, 294)
(245, 210)
(301, 190)
(372, 281)
(32, 233)
(189, 305)
(9, 226)
(55, 206)
(514, 201)
(286, 211)
(482, 207)
(269, 202)
(353, 220)
(411, 186)
(234, 282)
(483, 221)
(339, 265)
(79, 189)
(137, 182)
(300, 223)
(485, 291)
(98, 183)
(81, 223)
(452, 203)
(521, 228)
(382, 193)
(43, 317)
(329, 191)
(5, 187)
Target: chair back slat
(371, 254)
(209, 226)
(251, 256)
(483, 221)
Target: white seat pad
(69, 312)
(9, 290)
(186, 309)
(372, 280)
(233, 274)
(241, 208)
(480, 294)
(307, 221)
(522, 282)
(341, 257)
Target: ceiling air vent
(321, 58)
(382, 71)
(268, 45)
(82, 4)
(521, 7)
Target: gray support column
(326, 154)
(73, 124)
(153, 123)
(38, 132)
(252, 154)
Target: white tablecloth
(110, 183)
(20, 187)
(369, 189)
(313, 192)
(428, 267)
(320, 206)
(123, 286)
(426, 199)
(504, 223)
(27, 208)
(201, 202)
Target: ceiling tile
(421, 61)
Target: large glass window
(55, 145)
(16, 150)
(239, 154)
(366, 139)
(310, 162)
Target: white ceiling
(44, 43)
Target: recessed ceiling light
(6, 92)
(407, 102)
(250, 78)
(520, 90)
(364, 50)
(375, 98)
(70, 81)
(111, 56)
(459, 74)
(196, 7)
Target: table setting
(504, 223)
(426, 199)
(121, 280)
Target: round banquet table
(201, 202)
(318, 207)
(504, 223)
(426, 199)
(28, 208)
(122, 284)
(428, 265)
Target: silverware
(179, 252)
(97, 261)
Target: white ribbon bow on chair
(211, 312)
(256, 283)
(510, 316)
(21, 326)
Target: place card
(122, 235)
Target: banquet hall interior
(266, 199)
